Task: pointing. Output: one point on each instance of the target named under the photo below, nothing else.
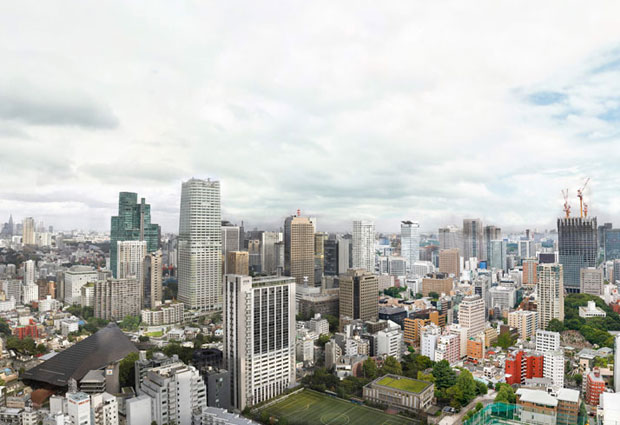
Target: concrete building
(152, 292)
(472, 239)
(524, 321)
(553, 368)
(259, 337)
(577, 248)
(299, 249)
(117, 298)
(502, 297)
(448, 348)
(231, 241)
(471, 315)
(450, 262)
(105, 409)
(359, 291)
(608, 411)
(130, 263)
(594, 387)
(363, 245)
(439, 283)
(200, 245)
(138, 410)
(75, 278)
(450, 238)
(389, 342)
(238, 262)
(400, 393)
(530, 275)
(78, 408)
(547, 341)
(617, 362)
(428, 340)
(165, 314)
(176, 391)
(591, 310)
(591, 281)
(409, 242)
(550, 291)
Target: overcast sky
(424, 110)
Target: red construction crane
(580, 196)
(566, 206)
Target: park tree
(369, 368)
(555, 326)
(505, 340)
(445, 377)
(391, 366)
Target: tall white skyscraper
(29, 272)
(259, 337)
(130, 259)
(550, 290)
(410, 242)
(200, 245)
(364, 245)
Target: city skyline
(360, 116)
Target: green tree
(333, 322)
(126, 370)
(428, 377)
(505, 394)
(481, 388)
(130, 323)
(369, 367)
(323, 339)
(465, 382)
(433, 295)
(445, 376)
(391, 366)
(578, 379)
(555, 326)
(505, 340)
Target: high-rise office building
(230, 242)
(319, 257)
(611, 243)
(577, 248)
(490, 233)
(331, 257)
(363, 243)
(449, 262)
(409, 242)
(359, 295)
(152, 292)
(200, 245)
(472, 238)
(550, 291)
(29, 272)
(268, 254)
(238, 262)
(591, 280)
(472, 315)
(130, 259)
(530, 275)
(259, 337)
(28, 231)
(299, 249)
(525, 248)
(497, 255)
(450, 237)
(116, 299)
(133, 223)
(344, 254)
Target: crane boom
(566, 206)
(580, 196)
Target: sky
(427, 111)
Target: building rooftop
(566, 394)
(537, 397)
(403, 383)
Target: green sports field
(310, 407)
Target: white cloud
(429, 111)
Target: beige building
(238, 262)
(550, 291)
(524, 321)
(28, 233)
(591, 280)
(299, 249)
(471, 315)
(165, 314)
(438, 283)
(449, 262)
(117, 298)
(400, 393)
(359, 298)
(530, 277)
(153, 276)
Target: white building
(591, 281)
(502, 297)
(553, 368)
(78, 408)
(105, 409)
(471, 315)
(608, 410)
(591, 310)
(30, 293)
(166, 314)
(29, 272)
(69, 325)
(75, 278)
(550, 292)
(130, 259)
(259, 337)
(617, 362)
(318, 325)
(363, 245)
(448, 348)
(49, 304)
(428, 340)
(200, 245)
(421, 268)
(304, 349)
(547, 341)
(176, 391)
(87, 295)
(409, 243)
(389, 342)
(8, 305)
(462, 333)
(216, 416)
(138, 410)
(524, 321)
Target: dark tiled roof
(106, 346)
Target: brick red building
(31, 331)
(595, 385)
(522, 366)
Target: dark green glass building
(133, 223)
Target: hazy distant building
(345, 259)
(611, 243)
(550, 291)
(591, 280)
(268, 254)
(359, 298)
(363, 243)
(497, 255)
(238, 262)
(449, 262)
(490, 233)
(299, 249)
(472, 238)
(409, 242)
(28, 231)
(230, 242)
(200, 245)
(133, 223)
(577, 248)
(319, 257)
(450, 238)
(259, 337)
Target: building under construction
(577, 248)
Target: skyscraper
(490, 233)
(268, 254)
(497, 255)
(611, 244)
(200, 245)
(130, 259)
(299, 249)
(472, 238)
(409, 242)
(152, 281)
(230, 241)
(550, 291)
(238, 262)
(116, 299)
(344, 254)
(319, 257)
(28, 233)
(472, 315)
(133, 223)
(331, 257)
(359, 291)
(259, 337)
(450, 237)
(577, 248)
(364, 245)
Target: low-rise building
(166, 314)
(400, 393)
(591, 310)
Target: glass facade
(612, 244)
(577, 248)
(133, 223)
